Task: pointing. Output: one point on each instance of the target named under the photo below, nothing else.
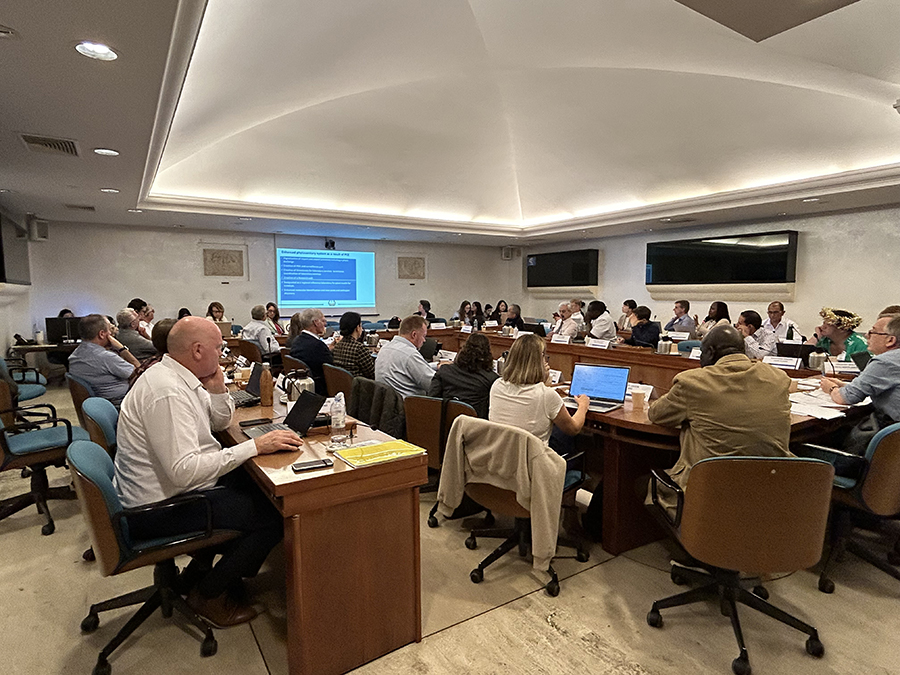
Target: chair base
(39, 494)
(728, 587)
(161, 595)
(841, 540)
(519, 536)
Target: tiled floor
(505, 624)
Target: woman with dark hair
(273, 319)
(469, 377)
(350, 353)
(478, 314)
(66, 313)
(464, 313)
(718, 316)
(294, 329)
(183, 312)
(624, 322)
(216, 311)
(599, 322)
(500, 312)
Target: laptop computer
(428, 349)
(299, 418)
(536, 328)
(225, 327)
(605, 385)
(861, 359)
(244, 398)
(794, 351)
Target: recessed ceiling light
(4, 191)
(664, 220)
(96, 50)
(106, 152)
(134, 211)
(783, 213)
(7, 33)
(110, 191)
(811, 199)
(245, 218)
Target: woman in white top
(625, 321)
(718, 316)
(601, 324)
(522, 397)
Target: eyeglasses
(546, 358)
(875, 332)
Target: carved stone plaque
(410, 267)
(223, 262)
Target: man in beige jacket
(730, 406)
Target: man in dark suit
(310, 348)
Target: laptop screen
(253, 382)
(303, 413)
(605, 383)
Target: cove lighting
(96, 50)
(109, 191)
(106, 152)
(134, 211)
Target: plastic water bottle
(338, 420)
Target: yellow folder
(376, 454)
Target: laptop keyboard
(241, 396)
(593, 406)
(274, 426)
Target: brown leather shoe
(221, 611)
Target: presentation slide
(323, 279)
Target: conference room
(440, 148)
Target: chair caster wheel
(814, 647)
(209, 646)
(47, 529)
(552, 588)
(489, 519)
(471, 543)
(88, 555)
(761, 592)
(102, 667)
(654, 619)
(90, 623)
(677, 579)
(826, 585)
(476, 575)
(432, 521)
(26, 472)
(741, 666)
(582, 556)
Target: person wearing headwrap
(836, 335)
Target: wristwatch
(121, 349)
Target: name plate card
(792, 342)
(843, 367)
(695, 354)
(555, 376)
(490, 324)
(561, 339)
(465, 329)
(596, 343)
(520, 333)
(437, 326)
(784, 362)
(679, 335)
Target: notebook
(605, 385)
(299, 418)
(249, 396)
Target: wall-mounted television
(770, 257)
(14, 268)
(565, 268)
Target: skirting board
(725, 292)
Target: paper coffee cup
(637, 399)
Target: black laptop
(535, 328)
(245, 398)
(428, 349)
(299, 418)
(794, 351)
(861, 359)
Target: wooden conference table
(351, 541)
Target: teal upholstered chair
(117, 552)
(35, 444)
(29, 382)
(101, 419)
(688, 345)
(80, 391)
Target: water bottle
(266, 386)
(338, 420)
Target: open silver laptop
(299, 418)
(604, 385)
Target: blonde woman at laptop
(522, 397)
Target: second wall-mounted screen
(325, 279)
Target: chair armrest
(35, 406)
(189, 500)
(658, 476)
(21, 369)
(25, 427)
(846, 464)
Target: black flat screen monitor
(566, 268)
(535, 328)
(739, 259)
(61, 330)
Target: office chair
(374, 325)
(100, 421)
(685, 346)
(337, 379)
(427, 427)
(875, 493)
(29, 382)
(377, 405)
(21, 373)
(250, 351)
(484, 460)
(80, 392)
(107, 521)
(35, 444)
(745, 515)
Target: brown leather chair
(291, 364)
(116, 551)
(337, 379)
(745, 515)
(250, 351)
(874, 492)
(80, 392)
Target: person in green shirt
(836, 335)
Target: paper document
(816, 411)
(815, 397)
(364, 455)
(632, 387)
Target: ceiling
(476, 121)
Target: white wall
(844, 260)
(96, 268)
